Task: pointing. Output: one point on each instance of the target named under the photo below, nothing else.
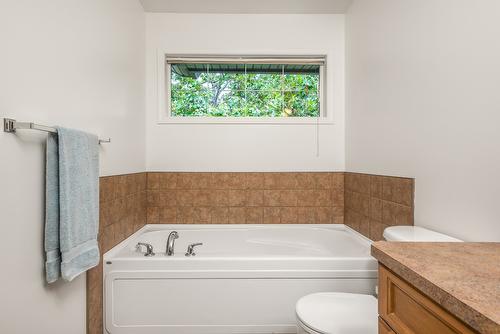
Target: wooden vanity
(441, 288)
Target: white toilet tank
(415, 234)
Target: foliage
(245, 95)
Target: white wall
(424, 101)
(251, 147)
(77, 63)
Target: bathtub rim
(111, 254)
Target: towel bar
(11, 126)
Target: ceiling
(248, 6)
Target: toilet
(351, 313)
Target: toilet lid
(339, 313)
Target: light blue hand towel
(72, 204)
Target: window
(243, 89)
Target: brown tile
(288, 198)
(187, 181)
(168, 198)
(185, 215)
(364, 226)
(338, 181)
(238, 180)
(358, 222)
(237, 197)
(120, 186)
(351, 219)
(95, 324)
(167, 215)
(305, 181)
(129, 230)
(316, 198)
(376, 186)
(94, 277)
(376, 230)
(289, 215)
(203, 180)
(154, 198)
(116, 235)
(153, 215)
(272, 215)
(396, 214)
(105, 214)
(275, 181)
(106, 189)
(325, 215)
(357, 182)
(337, 211)
(254, 215)
(132, 183)
(338, 220)
(143, 181)
(201, 215)
(220, 197)
(306, 215)
(254, 181)
(322, 198)
(221, 181)
(118, 210)
(94, 311)
(153, 181)
(271, 181)
(201, 197)
(237, 215)
(107, 239)
(271, 197)
(229, 180)
(357, 202)
(184, 197)
(168, 180)
(337, 197)
(376, 209)
(288, 181)
(219, 215)
(322, 180)
(254, 197)
(398, 190)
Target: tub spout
(170, 242)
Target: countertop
(464, 278)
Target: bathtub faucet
(170, 242)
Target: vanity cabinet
(404, 310)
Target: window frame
(164, 90)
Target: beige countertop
(464, 278)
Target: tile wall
(367, 203)
(374, 202)
(245, 198)
(122, 212)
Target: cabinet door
(408, 311)
(383, 328)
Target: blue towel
(72, 204)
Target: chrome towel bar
(11, 126)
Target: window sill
(246, 120)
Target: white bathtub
(244, 279)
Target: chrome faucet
(149, 248)
(190, 250)
(170, 242)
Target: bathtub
(243, 279)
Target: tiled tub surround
(245, 198)
(374, 202)
(122, 212)
(128, 202)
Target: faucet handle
(149, 248)
(190, 250)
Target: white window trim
(163, 86)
